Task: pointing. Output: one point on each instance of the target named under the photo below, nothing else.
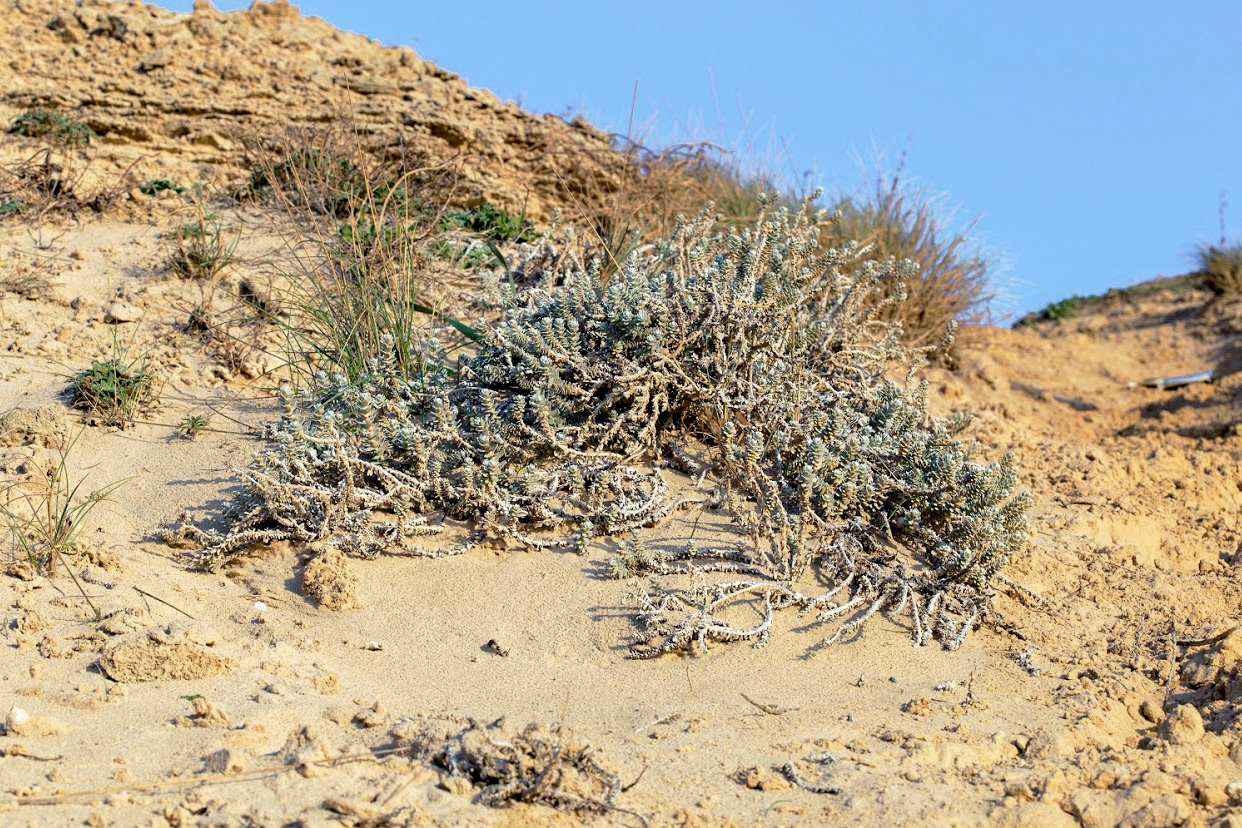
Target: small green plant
(192, 424)
(1220, 265)
(467, 256)
(199, 250)
(155, 186)
(13, 207)
(41, 123)
(45, 515)
(492, 223)
(114, 389)
(1069, 308)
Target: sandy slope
(1052, 716)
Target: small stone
(917, 707)
(32, 621)
(373, 716)
(120, 312)
(760, 779)
(226, 761)
(16, 718)
(1210, 794)
(156, 60)
(1048, 743)
(1151, 711)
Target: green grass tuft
(199, 250)
(45, 517)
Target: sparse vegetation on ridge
(1075, 306)
(1220, 266)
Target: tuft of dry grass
(892, 220)
(56, 177)
(897, 221)
(651, 190)
(25, 281)
(1220, 266)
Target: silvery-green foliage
(751, 346)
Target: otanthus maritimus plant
(750, 356)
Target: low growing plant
(114, 389)
(492, 223)
(155, 186)
(42, 123)
(753, 359)
(199, 249)
(192, 424)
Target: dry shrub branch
(540, 765)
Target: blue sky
(1092, 140)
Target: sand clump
(18, 722)
(330, 580)
(46, 426)
(157, 655)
